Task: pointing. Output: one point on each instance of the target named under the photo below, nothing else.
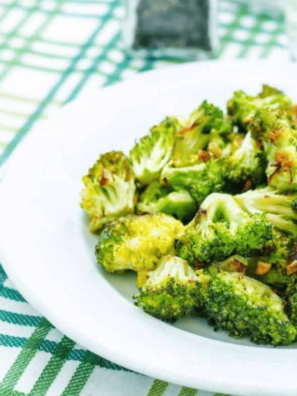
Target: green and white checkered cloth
(50, 52)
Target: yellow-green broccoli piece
(200, 180)
(242, 107)
(246, 307)
(273, 131)
(152, 152)
(290, 299)
(206, 124)
(172, 290)
(280, 208)
(137, 242)
(109, 189)
(247, 164)
(222, 229)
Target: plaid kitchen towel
(51, 51)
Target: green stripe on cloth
(158, 388)
(64, 76)
(29, 41)
(188, 392)
(53, 368)
(81, 375)
(11, 294)
(3, 276)
(26, 355)
(19, 319)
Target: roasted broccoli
(280, 208)
(274, 132)
(109, 190)
(204, 211)
(152, 152)
(137, 242)
(206, 124)
(290, 299)
(172, 290)
(242, 107)
(247, 164)
(160, 198)
(246, 307)
(200, 180)
(271, 268)
(221, 229)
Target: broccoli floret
(200, 179)
(247, 164)
(246, 307)
(221, 229)
(282, 170)
(152, 152)
(172, 290)
(271, 268)
(205, 124)
(290, 299)
(279, 207)
(242, 107)
(271, 127)
(137, 242)
(109, 190)
(160, 198)
(273, 130)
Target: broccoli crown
(152, 152)
(221, 229)
(273, 130)
(204, 125)
(242, 107)
(200, 179)
(275, 260)
(271, 127)
(290, 299)
(137, 242)
(211, 180)
(172, 290)
(247, 163)
(278, 206)
(281, 171)
(246, 307)
(109, 190)
(160, 198)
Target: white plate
(47, 250)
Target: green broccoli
(271, 268)
(274, 132)
(152, 152)
(246, 307)
(290, 299)
(247, 164)
(160, 198)
(279, 207)
(137, 242)
(282, 170)
(221, 229)
(172, 290)
(242, 107)
(109, 190)
(204, 125)
(200, 179)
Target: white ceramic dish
(47, 250)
